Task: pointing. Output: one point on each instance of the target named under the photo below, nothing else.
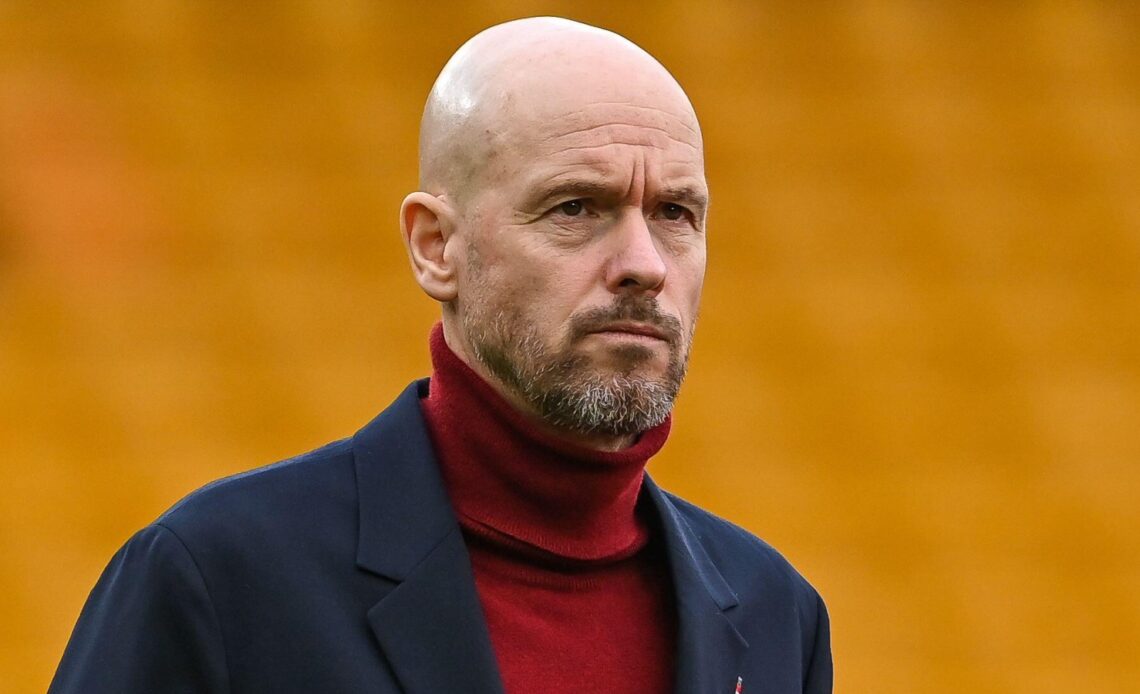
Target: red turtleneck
(573, 583)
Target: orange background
(918, 367)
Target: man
(493, 529)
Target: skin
(562, 176)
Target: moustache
(627, 308)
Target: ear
(427, 223)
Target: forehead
(610, 138)
(600, 122)
(582, 102)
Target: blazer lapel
(710, 650)
(430, 626)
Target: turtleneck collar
(514, 484)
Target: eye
(571, 208)
(672, 211)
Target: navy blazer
(344, 570)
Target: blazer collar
(710, 649)
(431, 625)
(404, 509)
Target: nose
(636, 264)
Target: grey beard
(614, 406)
(565, 390)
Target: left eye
(672, 211)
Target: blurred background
(918, 367)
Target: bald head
(509, 79)
(561, 223)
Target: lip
(639, 329)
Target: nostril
(629, 282)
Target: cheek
(689, 279)
(518, 272)
(549, 282)
(522, 279)
(513, 291)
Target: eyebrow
(687, 195)
(692, 196)
(576, 188)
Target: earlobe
(426, 224)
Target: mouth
(632, 329)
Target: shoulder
(282, 502)
(750, 565)
(772, 605)
(302, 509)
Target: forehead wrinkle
(681, 120)
(600, 137)
(599, 159)
(594, 128)
(619, 119)
(653, 145)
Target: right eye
(571, 208)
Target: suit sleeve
(148, 626)
(818, 676)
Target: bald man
(493, 530)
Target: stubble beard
(566, 388)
